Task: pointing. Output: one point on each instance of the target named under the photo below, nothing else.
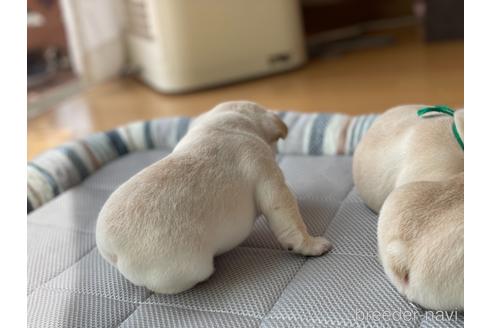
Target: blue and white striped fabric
(61, 168)
(323, 134)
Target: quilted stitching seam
(60, 273)
(145, 302)
(133, 312)
(305, 261)
(326, 322)
(340, 206)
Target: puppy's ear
(275, 128)
(459, 120)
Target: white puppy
(163, 227)
(410, 169)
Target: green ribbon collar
(445, 110)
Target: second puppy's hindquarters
(409, 168)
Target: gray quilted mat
(255, 285)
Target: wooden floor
(409, 71)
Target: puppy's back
(401, 147)
(175, 215)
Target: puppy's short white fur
(163, 227)
(410, 170)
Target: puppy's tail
(398, 261)
(110, 257)
(103, 245)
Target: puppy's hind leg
(280, 208)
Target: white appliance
(183, 45)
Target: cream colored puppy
(163, 227)
(420, 237)
(401, 147)
(410, 169)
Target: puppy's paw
(314, 246)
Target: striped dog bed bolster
(61, 168)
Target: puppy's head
(253, 117)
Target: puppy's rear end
(138, 233)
